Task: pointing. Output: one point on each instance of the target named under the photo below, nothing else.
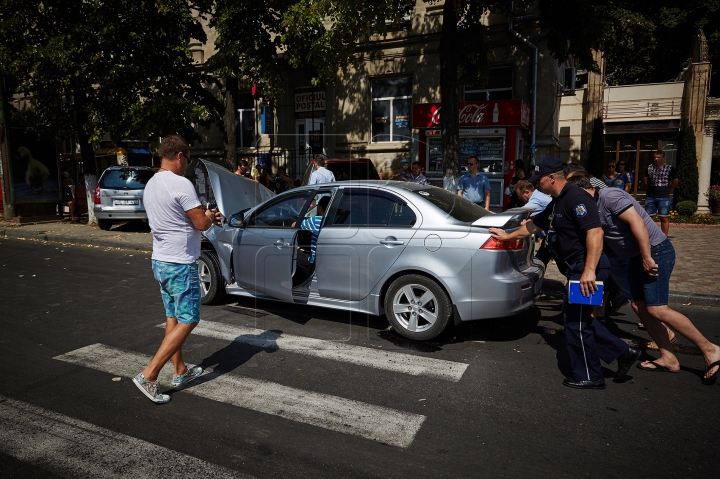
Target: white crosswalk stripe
(72, 448)
(348, 416)
(335, 350)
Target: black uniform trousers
(587, 340)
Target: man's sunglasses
(471, 164)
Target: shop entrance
(310, 135)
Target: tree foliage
(644, 41)
(688, 189)
(96, 67)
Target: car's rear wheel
(212, 285)
(417, 307)
(105, 224)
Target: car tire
(104, 224)
(420, 322)
(212, 284)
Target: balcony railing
(642, 109)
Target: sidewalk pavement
(695, 279)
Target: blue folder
(575, 296)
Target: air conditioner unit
(568, 81)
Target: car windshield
(345, 171)
(129, 179)
(454, 205)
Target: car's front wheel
(417, 307)
(212, 285)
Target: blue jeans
(657, 206)
(180, 290)
(653, 290)
(619, 270)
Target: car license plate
(126, 202)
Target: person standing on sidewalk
(473, 185)
(645, 260)
(321, 174)
(574, 216)
(659, 182)
(176, 219)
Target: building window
(246, 121)
(499, 86)
(391, 107)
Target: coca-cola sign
(476, 113)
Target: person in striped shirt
(314, 224)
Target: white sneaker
(150, 389)
(190, 374)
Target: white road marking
(378, 423)
(72, 448)
(335, 350)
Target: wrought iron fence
(294, 161)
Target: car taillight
(96, 196)
(500, 245)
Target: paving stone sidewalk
(696, 277)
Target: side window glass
(402, 215)
(283, 214)
(363, 208)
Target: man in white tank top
(176, 219)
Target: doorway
(310, 136)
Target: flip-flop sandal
(711, 380)
(659, 368)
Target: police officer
(573, 215)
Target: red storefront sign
(476, 113)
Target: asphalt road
(353, 401)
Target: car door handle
(393, 242)
(282, 244)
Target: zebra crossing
(72, 448)
(344, 415)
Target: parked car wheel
(105, 224)
(417, 307)
(212, 285)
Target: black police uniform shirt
(575, 212)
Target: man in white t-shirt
(321, 174)
(176, 219)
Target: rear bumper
(503, 295)
(118, 213)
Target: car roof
(391, 184)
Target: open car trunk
(230, 192)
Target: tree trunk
(87, 154)
(230, 122)
(450, 96)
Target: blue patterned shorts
(180, 289)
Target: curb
(78, 240)
(695, 299)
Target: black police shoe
(626, 360)
(572, 383)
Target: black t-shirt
(575, 212)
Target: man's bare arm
(525, 230)
(203, 219)
(593, 247)
(640, 232)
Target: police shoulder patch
(580, 210)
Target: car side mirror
(237, 220)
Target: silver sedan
(419, 255)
